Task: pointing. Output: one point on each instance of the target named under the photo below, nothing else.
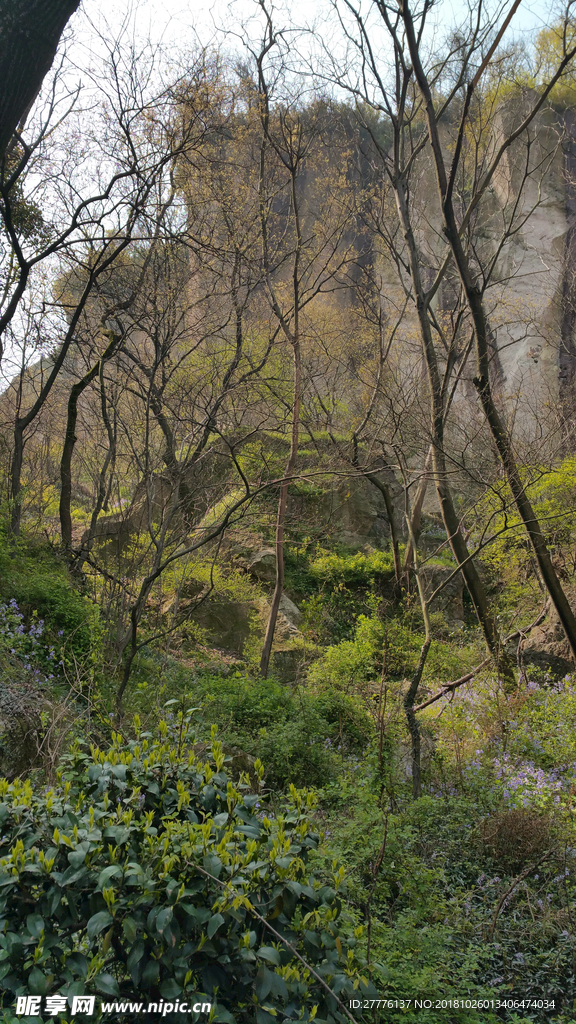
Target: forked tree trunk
(382, 486)
(437, 415)
(495, 422)
(70, 442)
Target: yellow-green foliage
(509, 556)
(551, 45)
(390, 645)
(226, 583)
(221, 509)
(353, 569)
(264, 459)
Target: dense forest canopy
(287, 495)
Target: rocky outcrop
(290, 611)
(547, 648)
(229, 624)
(263, 565)
(348, 509)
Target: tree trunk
(482, 381)
(394, 540)
(412, 721)
(70, 442)
(30, 31)
(16, 477)
(281, 515)
(412, 691)
(416, 518)
(103, 495)
(437, 412)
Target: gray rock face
(290, 611)
(229, 623)
(531, 299)
(351, 509)
(548, 649)
(530, 302)
(263, 565)
(226, 622)
(358, 514)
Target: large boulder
(548, 649)
(351, 509)
(227, 623)
(262, 565)
(290, 611)
(230, 623)
(120, 526)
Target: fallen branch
(527, 871)
(450, 687)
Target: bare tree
(95, 219)
(302, 236)
(397, 141)
(472, 283)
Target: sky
(174, 21)
(174, 17)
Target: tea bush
(146, 870)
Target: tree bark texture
(394, 539)
(475, 303)
(417, 509)
(437, 414)
(30, 31)
(70, 441)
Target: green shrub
(357, 569)
(388, 643)
(297, 733)
(39, 582)
(145, 870)
(333, 589)
(348, 664)
(448, 914)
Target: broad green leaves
(151, 875)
